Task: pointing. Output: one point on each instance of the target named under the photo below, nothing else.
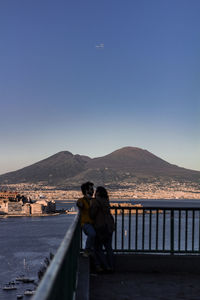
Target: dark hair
(85, 187)
(102, 192)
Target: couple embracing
(98, 224)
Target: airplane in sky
(100, 46)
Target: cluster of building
(160, 189)
(12, 203)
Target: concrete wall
(37, 208)
(151, 263)
(26, 209)
(14, 208)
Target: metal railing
(59, 281)
(156, 230)
(137, 229)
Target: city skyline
(94, 77)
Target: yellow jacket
(84, 206)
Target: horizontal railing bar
(154, 251)
(154, 208)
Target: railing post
(172, 232)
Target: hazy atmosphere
(94, 76)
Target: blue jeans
(89, 230)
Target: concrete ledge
(82, 291)
(150, 263)
(148, 275)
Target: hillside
(122, 166)
(50, 170)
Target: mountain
(128, 158)
(125, 165)
(50, 170)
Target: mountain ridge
(121, 166)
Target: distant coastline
(155, 190)
(35, 215)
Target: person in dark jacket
(104, 227)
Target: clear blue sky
(58, 91)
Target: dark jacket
(103, 220)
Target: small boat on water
(29, 292)
(19, 278)
(19, 296)
(9, 286)
(11, 282)
(25, 279)
(28, 280)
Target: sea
(26, 241)
(24, 244)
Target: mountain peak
(127, 149)
(64, 153)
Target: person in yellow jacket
(84, 204)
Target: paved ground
(144, 286)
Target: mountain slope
(52, 169)
(128, 158)
(136, 160)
